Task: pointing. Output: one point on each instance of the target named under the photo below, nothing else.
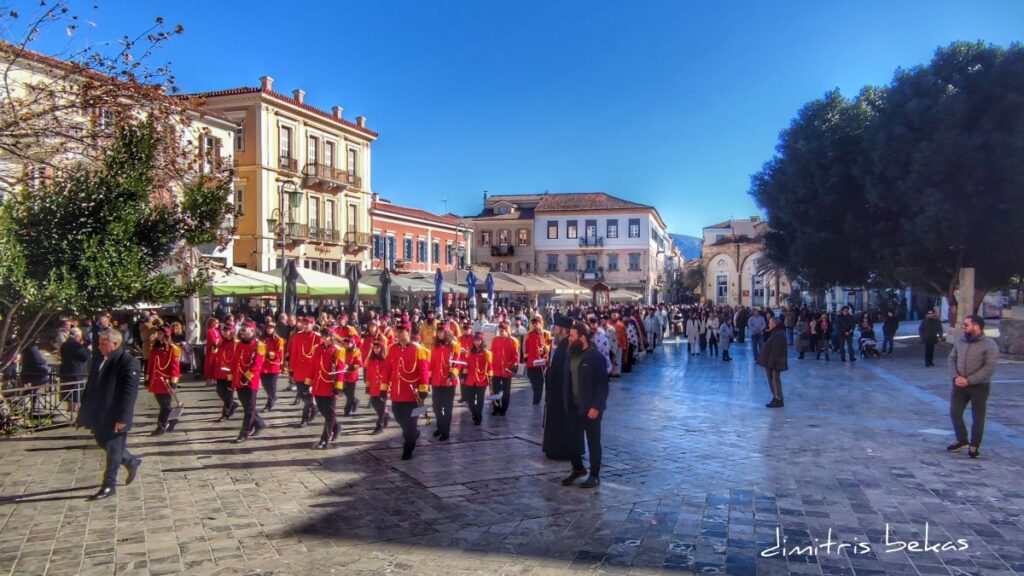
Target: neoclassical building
(734, 273)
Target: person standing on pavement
(757, 326)
(444, 379)
(302, 346)
(505, 351)
(108, 406)
(889, 328)
(585, 394)
(693, 330)
(227, 353)
(246, 380)
(374, 376)
(326, 384)
(789, 315)
(775, 360)
(557, 439)
(163, 372)
(725, 334)
(930, 331)
(971, 365)
(408, 377)
(74, 366)
(271, 370)
(536, 346)
(211, 371)
(352, 360)
(478, 376)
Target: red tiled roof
(415, 213)
(76, 68)
(574, 201)
(283, 98)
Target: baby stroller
(868, 345)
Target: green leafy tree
(96, 237)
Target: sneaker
(376, 430)
(257, 431)
(158, 432)
(321, 445)
(240, 440)
(973, 452)
(774, 404)
(591, 482)
(955, 446)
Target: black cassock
(560, 441)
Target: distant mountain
(689, 246)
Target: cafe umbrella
(438, 293)
(353, 274)
(385, 291)
(471, 294)
(489, 282)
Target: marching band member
(326, 383)
(444, 377)
(246, 379)
(505, 350)
(537, 344)
(352, 359)
(479, 362)
(374, 374)
(301, 349)
(163, 371)
(226, 356)
(408, 375)
(466, 342)
(271, 371)
(211, 372)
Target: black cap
(563, 321)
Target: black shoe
(158, 432)
(222, 418)
(105, 492)
(477, 421)
(133, 470)
(241, 439)
(302, 424)
(336, 432)
(774, 404)
(266, 409)
(955, 446)
(171, 425)
(232, 410)
(591, 482)
(535, 402)
(437, 433)
(573, 476)
(443, 437)
(257, 431)
(406, 454)
(376, 430)
(973, 452)
(321, 445)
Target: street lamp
(287, 187)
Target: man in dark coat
(556, 436)
(774, 358)
(930, 331)
(585, 393)
(108, 404)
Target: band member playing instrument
(246, 379)
(272, 363)
(226, 356)
(352, 358)
(408, 375)
(537, 344)
(327, 382)
(374, 375)
(163, 371)
(505, 351)
(478, 376)
(301, 348)
(444, 378)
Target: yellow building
(317, 159)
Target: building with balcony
(595, 237)
(414, 240)
(735, 274)
(303, 179)
(504, 233)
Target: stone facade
(732, 267)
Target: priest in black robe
(559, 443)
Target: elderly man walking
(971, 366)
(108, 404)
(774, 358)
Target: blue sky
(669, 103)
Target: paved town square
(700, 477)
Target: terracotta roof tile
(574, 201)
(415, 213)
(283, 98)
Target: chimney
(266, 83)
(299, 95)
(485, 196)
(338, 111)
(755, 219)
(361, 121)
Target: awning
(621, 295)
(235, 281)
(564, 286)
(400, 283)
(312, 283)
(448, 286)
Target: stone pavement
(699, 477)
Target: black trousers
(504, 387)
(251, 420)
(713, 344)
(475, 398)
(592, 428)
(227, 397)
(309, 407)
(929, 353)
(328, 406)
(350, 397)
(379, 405)
(116, 446)
(774, 383)
(164, 400)
(403, 414)
(269, 383)
(977, 396)
(444, 401)
(536, 376)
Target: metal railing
(306, 232)
(503, 250)
(26, 407)
(315, 172)
(591, 241)
(288, 164)
(363, 239)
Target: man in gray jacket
(971, 365)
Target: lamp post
(294, 198)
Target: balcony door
(314, 214)
(329, 215)
(312, 150)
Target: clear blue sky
(670, 103)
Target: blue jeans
(886, 344)
(789, 336)
(756, 340)
(846, 345)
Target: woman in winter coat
(803, 334)
(712, 328)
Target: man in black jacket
(108, 405)
(774, 358)
(585, 392)
(930, 331)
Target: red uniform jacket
(478, 371)
(375, 375)
(505, 351)
(210, 368)
(367, 343)
(302, 347)
(329, 370)
(227, 353)
(163, 369)
(353, 361)
(408, 371)
(274, 346)
(441, 368)
(248, 363)
(537, 345)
